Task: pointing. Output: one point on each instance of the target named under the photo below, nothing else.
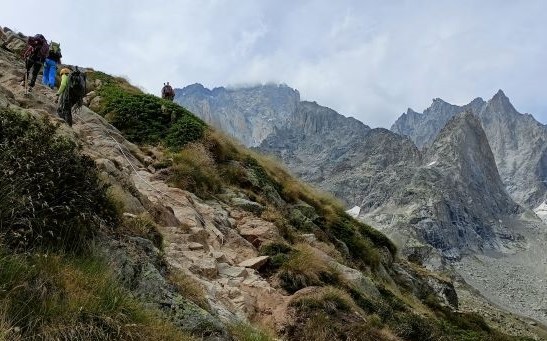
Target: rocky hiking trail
(206, 240)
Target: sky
(367, 59)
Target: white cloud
(367, 59)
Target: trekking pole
(26, 76)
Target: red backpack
(37, 48)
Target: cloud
(367, 59)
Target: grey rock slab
(228, 270)
(254, 263)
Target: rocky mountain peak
(313, 118)
(463, 144)
(194, 89)
(500, 104)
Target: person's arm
(64, 81)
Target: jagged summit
(499, 104)
(462, 148)
(517, 141)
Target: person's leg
(35, 70)
(28, 65)
(68, 116)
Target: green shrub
(185, 130)
(50, 195)
(279, 254)
(361, 249)
(146, 118)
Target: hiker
(167, 92)
(34, 56)
(50, 66)
(71, 93)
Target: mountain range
(448, 176)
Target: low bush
(361, 249)
(146, 118)
(50, 194)
(278, 252)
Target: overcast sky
(366, 59)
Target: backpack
(38, 48)
(76, 88)
(55, 47)
(168, 92)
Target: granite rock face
(517, 141)
(448, 196)
(249, 114)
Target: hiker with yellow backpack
(71, 93)
(50, 65)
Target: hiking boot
(29, 89)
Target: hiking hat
(65, 71)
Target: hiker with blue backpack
(35, 55)
(50, 65)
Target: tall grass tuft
(50, 194)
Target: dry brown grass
(116, 195)
(141, 226)
(305, 268)
(246, 332)
(195, 170)
(189, 288)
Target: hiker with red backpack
(167, 92)
(35, 55)
(50, 66)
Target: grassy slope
(52, 206)
(53, 286)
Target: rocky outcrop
(517, 141)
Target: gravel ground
(516, 282)
(470, 300)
